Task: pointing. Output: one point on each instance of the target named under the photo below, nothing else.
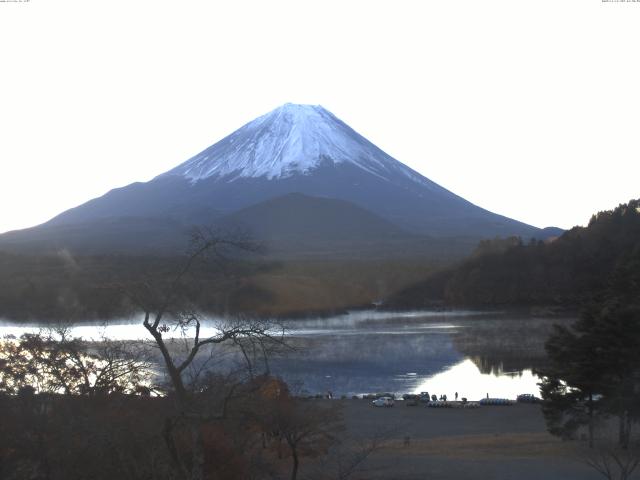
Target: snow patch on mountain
(292, 139)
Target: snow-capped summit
(292, 139)
(294, 149)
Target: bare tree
(351, 456)
(614, 463)
(63, 394)
(307, 428)
(169, 307)
(53, 361)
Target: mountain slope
(296, 216)
(134, 235)
(301, 225)
(294, 148)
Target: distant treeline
(68, 288)
(564, 272)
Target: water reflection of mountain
(369, 351)
(505, 345)
(398, 354)
(366, 362)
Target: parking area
(500, 442)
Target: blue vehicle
(527, 398)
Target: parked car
(383, 402)
(425, 397)
(373, 396)
(527, 398)
(410, 400)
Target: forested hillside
(563, 272)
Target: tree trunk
(174, 374)
(591, 420)
(294, 470)
(621, 429)
(627, 429)
(167, 435)
(623, 434)
(44, 460)
(197, 464)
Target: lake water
(472, 353)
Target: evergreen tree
(571, 384)
(595, 366)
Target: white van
(383, 402)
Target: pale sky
(530, 109)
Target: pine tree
(594, 366)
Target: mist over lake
(469, 352)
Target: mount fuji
(300, 155)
